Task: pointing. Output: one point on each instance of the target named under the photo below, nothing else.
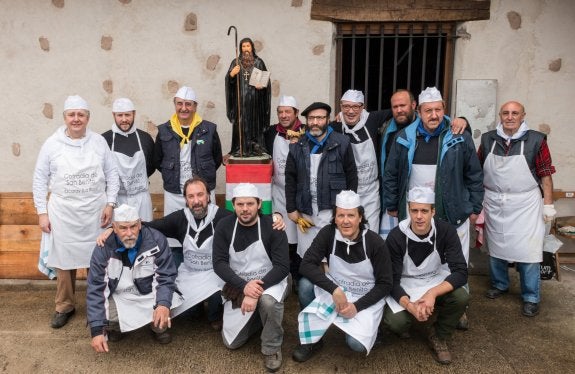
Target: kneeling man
(131, 282)
(351, 294)
(253, 259)
(429, 270)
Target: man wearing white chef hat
(429, 272)
(131, 282)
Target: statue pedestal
(255, 170)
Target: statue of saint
(254, 103)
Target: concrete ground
(500, 339)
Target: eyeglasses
(313, 118)
(512, 114)
(354, 107)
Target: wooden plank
(24, 265)
(20, 238)
(17, 208)
(400, 10)
(560, 194)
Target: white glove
(549, 212)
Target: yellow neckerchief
(177, 127)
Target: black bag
(548, 268)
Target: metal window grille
(381, 58)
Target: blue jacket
(336, 172)
(106, 267)
(458, 181)
(206, 154)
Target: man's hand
(106, 217)
(254, 289)
(235, 70)
(226, 159)
(44, 223)
(339, 299)
(100, 344)
(392, 213)
(278, 222)
(294, 216)
(249, 305)
(473, 218)
(458, 125)
(349, 311)
(101, 239)
(426, 304)
(162, 318)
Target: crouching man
(253, 259)
(351, 294)
(429, 270)
(131, 282)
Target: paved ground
(500, 340)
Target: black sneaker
(162, 337)
(303, 352)
(530, 309)
(494, 293)
(60, 319)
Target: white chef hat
(353, 96)
(422, 195)
(347, 200)
(75, 102)
(245, 190)
(126, 213)
(186, 93)
(122, 105)
(288, 101)
(430, 95)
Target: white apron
(280, 152)
(196, 277)
(319, 218)
(356, 280)
(134, 309)
(133, 180)
(251, 263)
(417, 280)
(513, 206)
(75, 207)
(368, 183)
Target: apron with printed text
(367, 177)
(513, 206)
(196, 277)
(280, 152)
(133, 180)
(319, 218)
(356, 280)
(251, 263)
(417, 280)
(75, 207)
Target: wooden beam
(400, 10)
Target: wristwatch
(113, 205)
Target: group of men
(408, 175)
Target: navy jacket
(206, 154)
(336, 172)
(458, 181)
(106, 267)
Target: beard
(129, 242)
(247, 60)
(199, 211)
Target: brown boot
(440, 350)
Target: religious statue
(252, 107)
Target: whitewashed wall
(524, 61)
(149, 49)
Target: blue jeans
(528, 276)
(305, 292)
(354, 344)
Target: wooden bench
(20, 235)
